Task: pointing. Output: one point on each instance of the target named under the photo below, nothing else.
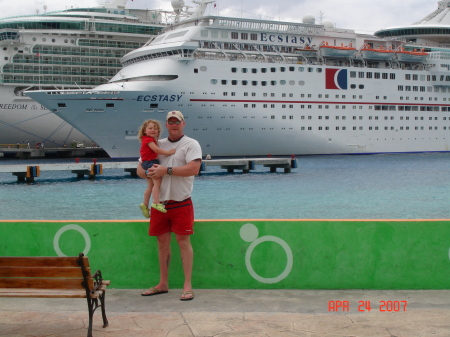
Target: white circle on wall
(66, 228)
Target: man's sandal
(187, 293)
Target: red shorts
(179, 218)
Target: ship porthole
(203, 68)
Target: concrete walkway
(227, 313)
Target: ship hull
(251, 122)
(24, 121)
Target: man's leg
(164, 255)
(187, 258)
(164, 259)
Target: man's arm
(190, 169)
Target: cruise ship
(73, 48)
(256, 87)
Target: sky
(365, 16)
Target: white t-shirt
(175, 187)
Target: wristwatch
(169, 171)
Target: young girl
(149, 133)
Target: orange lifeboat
(377, 53)
(411, 55)
(337, 51)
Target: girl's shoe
(159, 207)
(144, 210)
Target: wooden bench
(54, 277)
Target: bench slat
(44, 283)
(40, 261)
(42, 293)
(70, 272)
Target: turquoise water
(400, 186)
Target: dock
(28, 172)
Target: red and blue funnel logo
(336, 79)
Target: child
(149, 133)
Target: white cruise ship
(74, 48)
(255, 87)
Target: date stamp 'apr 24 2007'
(367, 306)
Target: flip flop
(155, 292)
(187, 293)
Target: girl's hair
(144, 126)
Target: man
(177, 172)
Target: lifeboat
(337, 51)
(307, 51)
(378, 53)
(411, 55)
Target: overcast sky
(362, 15)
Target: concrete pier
(28, 172)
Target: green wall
(256, 254)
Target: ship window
(224, 82)
(152, 106)
(213, 81)
(353, 74)
(273, 82)
(244, 82)
(319, 70)
(244, 36)
(254, 83)
(264, 70)
(254, 71)
(234, 35)
(282, 82)
(61, 105)
(291, 68)
(361, 86)
(273, 70)
(244, 70)
(234, 82)
(254, 37)
(263, 83)
(360, 74)
(301, 69)
(110, 105)
(233, 70)
(282, 69)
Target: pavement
(244, 312)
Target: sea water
(385, 186)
